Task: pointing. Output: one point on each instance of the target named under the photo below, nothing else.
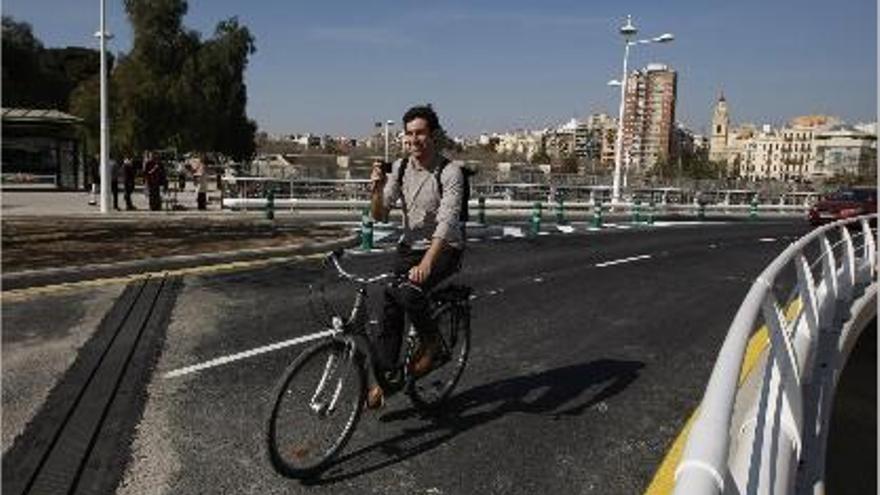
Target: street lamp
(103, 35)
(628, 31)
(388, 123)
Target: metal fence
(766, 432)
(252, 193)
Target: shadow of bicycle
(556, 393)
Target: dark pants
(202, 200)
(155, 197)
(408, 298)
(129, 188)
(114, 188)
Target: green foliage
(36, 77)
(173, 90)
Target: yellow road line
(22, 294)
(663, 482)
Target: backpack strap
(403, 163)
(437, 173)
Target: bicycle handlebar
(334, 258)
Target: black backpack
(466, 173)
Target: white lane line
(513, 232)
(767, 239)
(246, 354)
(622, 260)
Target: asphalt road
(580, 375)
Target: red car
(844, 203)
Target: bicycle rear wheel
(318, 402)
(453, 325)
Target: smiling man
(429, 188)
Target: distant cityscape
(808, 148)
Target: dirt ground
(47, 242)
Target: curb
(32, 278)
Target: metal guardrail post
(597, 214)
(366, 230)
(536, 218)
(637, 211)
(651, 213)
(481, 210)
(753, 209)
(701, 211)
(270, 204)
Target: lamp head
(628, 30)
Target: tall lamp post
(103, 35)
(628, 31)
(388, 123)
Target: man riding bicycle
(430, 248)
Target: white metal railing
(251, 193)
(768, 434)
(502, 205)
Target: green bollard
(481, 205)
(536, 218)
(560, 211)
(270, 205)
(753, 209)
(701, 211)
(651, 213)
(366, 230)
(597, 214)
(637, 212)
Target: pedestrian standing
(114, 182)
(128, 174)
(154, 177)
(181, 175)
(200, 178)
(94, 178)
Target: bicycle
(327, 383)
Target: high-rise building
(649, 117)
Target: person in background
(114, 182)
(154, 176)
(128, 174)
(200, 178)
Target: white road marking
(496, 237)
(767, 239)
(246, 354)
(567, 229)
(513, 232)
(539, 279)
(622, 260)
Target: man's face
(418, 139)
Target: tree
(175, 90)
(36, 77)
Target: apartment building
(649, 115)
(844, 151)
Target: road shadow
(555, 393)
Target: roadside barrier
(766, 432)
(366, 230)
(536, 218)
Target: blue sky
(336, 67)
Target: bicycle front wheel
(317, 404)
(453, 325)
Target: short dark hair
(422, 112)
